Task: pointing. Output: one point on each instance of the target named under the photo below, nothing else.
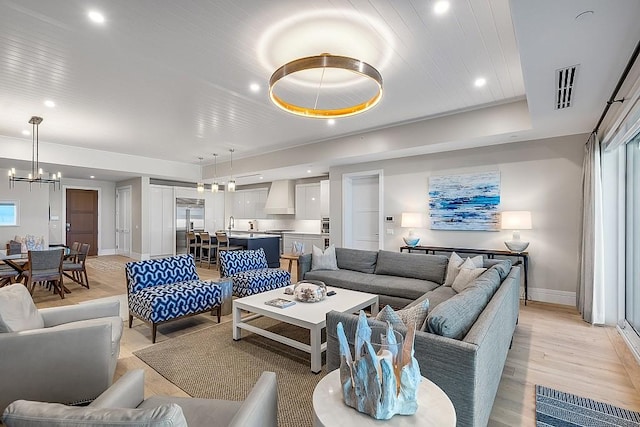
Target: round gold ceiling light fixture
(322, 63)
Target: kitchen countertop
(308, 233)
(250, 235)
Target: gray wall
(541, 176)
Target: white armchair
(123, 404)
(62, 354)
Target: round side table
(434, 407)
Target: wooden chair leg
(154, 330)
(86, 278)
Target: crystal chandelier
(36, 174)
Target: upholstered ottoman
(250, 272)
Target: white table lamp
(411, 220)
(516, 221)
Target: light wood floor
(552, 346)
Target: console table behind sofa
(523, 257)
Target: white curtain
(591, 292)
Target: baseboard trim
(552, 296)
(106, 252)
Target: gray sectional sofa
(467, 335)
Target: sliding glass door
(632, 294)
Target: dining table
(20, 262)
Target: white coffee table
(434, 407)
(311, 316)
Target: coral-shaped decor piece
(380, 384)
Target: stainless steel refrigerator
(189, 217)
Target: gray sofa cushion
(489, 282)
(435, 297)
(503, 266)
(454, 317)
(403, 287)
(357, 260)
(346, 279)
(417, 266)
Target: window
(9, 213)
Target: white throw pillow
(466, 275)
(455, 263)
(324, 260)
(17, 310)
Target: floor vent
(565, 81)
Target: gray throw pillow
(24, 413)
(17, 310)
(417, 313)
(454, 265)
(454, 317)
(324, 260)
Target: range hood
(281, 198)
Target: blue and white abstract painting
(465, 202)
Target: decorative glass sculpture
(383, 383)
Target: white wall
(541, 176)
(34, 210)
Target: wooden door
(82, 218)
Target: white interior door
(362, 204)
(123, 221)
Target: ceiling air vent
(565, 80)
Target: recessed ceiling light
(26, 132)
(96, 17)
(255, 87)
(308, 170)
(441, 7)
(49, 103)
(262, 177)
(92, 176)
(331, 122)
(480, 81)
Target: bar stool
(223, 245)
(205, 249)
(192, 245)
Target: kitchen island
(268, 242)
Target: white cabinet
(249, 204)
(161, 221)
(324, 198)
(307, 239)
(308, 201)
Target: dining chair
(77, 266)
(14, 247)
(45, 267)
(223, 245)
(7, 275)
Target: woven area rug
(103, 265)
(559, 409)
(209, 364)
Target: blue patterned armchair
(161, 290)
(250, 272)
